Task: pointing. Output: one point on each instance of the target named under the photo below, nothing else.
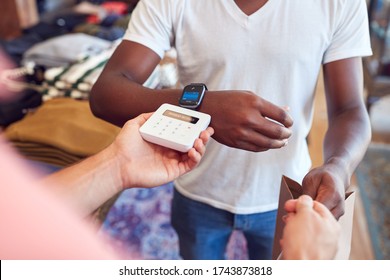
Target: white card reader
(174, 127)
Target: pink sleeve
(37, 225)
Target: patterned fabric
(75, 80)
(373, 175)
(138, 224)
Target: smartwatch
(192, 95)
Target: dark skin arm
(116, 95)
(239, 118)
(347, 137)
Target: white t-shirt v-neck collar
(242, 18)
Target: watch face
(192, 96)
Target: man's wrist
(117, 166)
(341, 167)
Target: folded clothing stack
(64, 49)
(76, 80)
(69, 65)
(61, 132)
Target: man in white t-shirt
(257, 58)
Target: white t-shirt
(277, 53)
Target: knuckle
(269, 143)
(279, 132)
(254, 100)
(308, 180)
(284, 117)
(240, 133)
(246, 120)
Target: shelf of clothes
(56, 63)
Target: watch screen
(190, 96)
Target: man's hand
(245, 121)
(311, 232)
(147, 165)
(326, 185)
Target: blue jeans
(204, 231)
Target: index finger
(277, 113)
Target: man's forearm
(89, 183)
(346, 140)
(116, 99)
